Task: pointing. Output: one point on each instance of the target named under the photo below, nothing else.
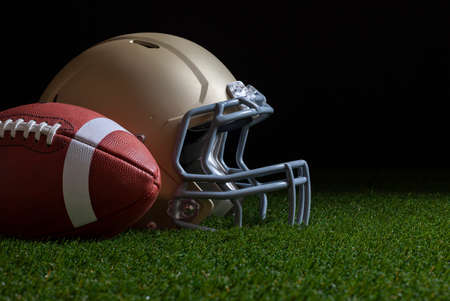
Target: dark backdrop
(353, 84)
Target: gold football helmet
(184, 101)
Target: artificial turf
(364, 243)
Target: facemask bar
(242, 166)
(242, 177)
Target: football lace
(29, 127)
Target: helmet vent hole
(144, 44)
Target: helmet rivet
(151, 225)
(183, 209)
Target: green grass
(370, 243)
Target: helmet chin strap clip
(185, 209)
(237, 208)
(179, 209)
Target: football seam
(31, 148)
(67, 127)
(148, 172)
(68, 124)
(64, 144)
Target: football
(68, 171)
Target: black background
(358, 84)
